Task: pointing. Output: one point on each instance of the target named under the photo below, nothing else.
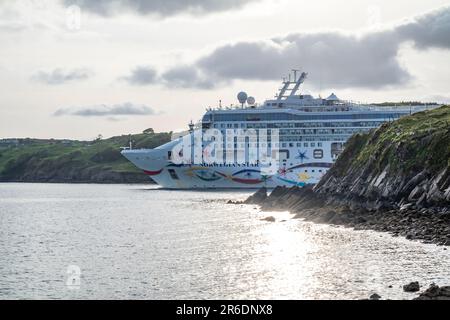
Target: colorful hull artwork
(184, 176)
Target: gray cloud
(157, 7)
(179, 77)
(103, 110)
(431, 30)
(60, 76)
(141, 75)
(333, 59)
(186, 77)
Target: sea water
(87, 241)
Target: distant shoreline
(72, 161)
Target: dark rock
(235, 202)
(411, 287)
(269, 219)
(410, 236)
(258, 197)
(375, 296)
(434, 292)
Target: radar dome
(242, 97)
(251, 101)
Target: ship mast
(287, 84)
(284, 89)
(298, 82)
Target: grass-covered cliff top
(51, 160)
(412, 143)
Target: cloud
(186, 77)
(162, 8)
(59, 76)
(141, 75)
(179, 77)
(11, 27)
(333, 59)
(27, 15)
(103, 110)
(431, 30)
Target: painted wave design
(245, 176)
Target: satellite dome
(242, 97)
(251, 101)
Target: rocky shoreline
(433, 292)
(430, 225)
(394, 179)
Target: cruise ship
(303, 136)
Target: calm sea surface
(63, 241)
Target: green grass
(419, 141)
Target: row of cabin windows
(320, 131)
(313, 138)
(298, 125)
(299, 144)
(300, 117)
(305, 131)
(294, 136)
(264, 145)
(296, 139)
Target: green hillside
(38, 160)
(421, 140)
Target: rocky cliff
(402, 163)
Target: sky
(78, 68)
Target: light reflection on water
(133, 241)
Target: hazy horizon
(74, 69)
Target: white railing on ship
(344, 103)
